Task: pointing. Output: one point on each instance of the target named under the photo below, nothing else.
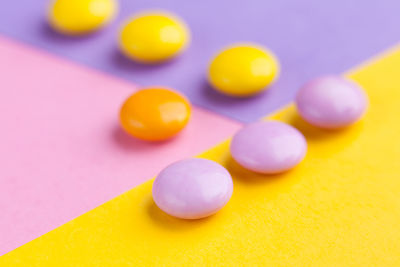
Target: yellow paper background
(340, 207)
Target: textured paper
(309, 37)
(340, 207)
(62, 152)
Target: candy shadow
(221, 99)
(48, 32)
(122, 62)
(130, 143)
(247, 177)
(315, 134)
(170, 223)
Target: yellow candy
(243, 70)
(153, 37)
(77, 17)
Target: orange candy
(155, 114)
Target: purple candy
(331, 102)
(268, 147)
(192, 188)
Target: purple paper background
(310, 37)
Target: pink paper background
(62, 152)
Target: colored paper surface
(62, 152)
(339, 207)
(309, 37)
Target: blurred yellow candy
(77, 17)
(153, 37)
(243, 70)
